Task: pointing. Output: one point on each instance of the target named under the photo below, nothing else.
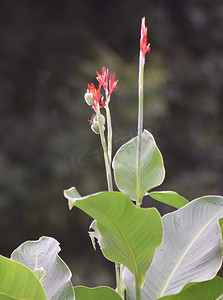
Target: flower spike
(144, 48)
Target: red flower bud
(144, 48)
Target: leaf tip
(71, 195)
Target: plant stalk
(106, 155)
(107, 148)
(140, 128)
(109, 132)
(137, 291)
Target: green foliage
(191, 250)
(42, 258)
(152, 169)
(169, 197)
(18, 282)
(129, 235)
(98, 293)
(207, 290)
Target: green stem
(137, 291)
(140, 128)
(106, 156)
(118, 267)
(118, 279)
(109, 132)
(109, 143)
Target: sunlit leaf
(129, 235)
(152, 168)
(18, 282)
(42, 258)
(191, 250)
(169, 197)
(98, 293)
(6, 297)
(207, 290)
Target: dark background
(49, 51)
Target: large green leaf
(191, 250)
(42, 258)
(169, 197)
(98, 293)
(18, 282)
(152, 169)
(129, 235)
(5, 297)
(207, 290)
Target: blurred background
(49, 51)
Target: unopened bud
(88, 97)
(101, 118)
(95, 127)
(95, 124)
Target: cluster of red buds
(94, 98)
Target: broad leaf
(207, 290)
(129, 235)
(18, 282)
(98, 293)
(5, 297)
(191, 250)
(169, 197)
(42, 258)
(152, 168)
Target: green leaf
(18, 282)
(221, 226)
(169, 197)
(152, 168)
(41, 257)
(129, 235)
(191, 250)
(5, 297)
(98, 293)
(207, 290)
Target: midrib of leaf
(184, 254)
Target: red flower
(95, 92)
(112, 84)
(96, 96)
(103, 79)
(144, 48)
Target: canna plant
(174, 257)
